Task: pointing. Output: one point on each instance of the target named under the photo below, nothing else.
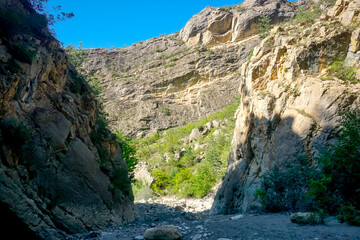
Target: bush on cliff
(343, 72)
(285, 187)
(334, 188)
(15, 133)
(264, 25)
(338, 191)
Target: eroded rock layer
(290, 106)
(168, 81)
(50, 176)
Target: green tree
(264, 25)
(53, 15)
(338, 192)
(128, 152)
(76, 55)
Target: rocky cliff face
(213, 26)
(54, 178)
(161, 83)
(171, 80)
(290, 104)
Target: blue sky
(119, 23)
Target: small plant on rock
(343, 72)
(264, 26)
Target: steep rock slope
(171, 80)
(51, 182)
(169, 85)
(289, 104)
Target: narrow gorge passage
(243, 125)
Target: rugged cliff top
(180, 78)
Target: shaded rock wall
(289, 106)
(52, 178)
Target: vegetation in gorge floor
(187, 167)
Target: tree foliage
(53, 14)
(284, 188)
(128, 152)
(264, 25)
(339, 189)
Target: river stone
(166, 232)
(194, 135)
(306, 218)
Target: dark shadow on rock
(268, 143)
(13, 227)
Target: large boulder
(194, 135)
(311, 218)
(165, 232)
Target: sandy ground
(198, 226)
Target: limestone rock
(347, 11)
(207, 26)
(213, 26)
(52, 180)
(287, 109)
(216, 123)
(165, 232)
(355, 41)
(306, 218)
(142, 174)
(161, 83)
(194, 135)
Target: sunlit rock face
(52, 179)
(171, 80)
(288, 108)
(161, 83)
(213, 26)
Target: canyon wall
(60, 172)
(290, 104)
(172, 80)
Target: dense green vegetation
(343, 72)
(338, 190)
(264, 26)
(76, 56)
(330, 185)
(187, 169)
(285, 187)
(128, 152)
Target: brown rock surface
(51, 182)
(162, 83)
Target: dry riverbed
(199, 225)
